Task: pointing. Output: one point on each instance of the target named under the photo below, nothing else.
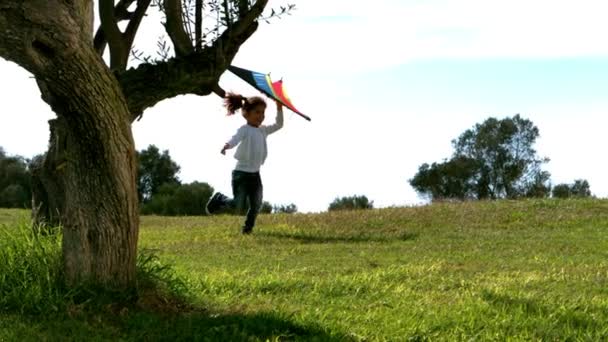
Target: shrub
(580, 189)
(351, 203)
(285, 209)
(179, 199)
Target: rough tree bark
(88, 179)
(48, 198)
(96, 173)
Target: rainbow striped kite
(263, 83)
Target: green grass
(506, 270)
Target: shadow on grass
(315, 238)
(150, 326)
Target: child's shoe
(215, 203)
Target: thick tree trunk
(86, 182)
(96, 170)
(89, 172)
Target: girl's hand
(279, 105)
(223, 151)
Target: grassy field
(506, 270)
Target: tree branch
(175, 28)
(195, 73)
(120, 43)
(109, 24)
(129, 35)
(99, 42)
(226, 49)
(248, 18)
(149, 84)
(198, 25)
(121, 13)
(243, 5)
(227, 14)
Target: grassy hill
(505, 270)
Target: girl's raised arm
(278, 122)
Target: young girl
(250, 155)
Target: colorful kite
(263, 83)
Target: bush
(266, 208)
(190, 199)
(179, 199)
(561, 191)
(351, 203)
(285, 209)
(15, 182)
(15, 196)
(579, 189)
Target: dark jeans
(247, 191)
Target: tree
(495, 159)
(89, 174)
(285, 209)
(15, 182)
(561, 191)
(266, 208)
(351, 203)
(539, 186)
(173, 199)
(580, 189)
(453, 179)
(161, 203)
(155, 169)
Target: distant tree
(580, 189)
(161, 202)
(285, 209)
(190, 199)
(539, 187)
(351, 203)
(492, 160)
(174, 199)
(561, 191)
(15, 182)
(453, 179)
(15, 196)
(266, 208)
(154, 170)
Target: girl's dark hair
(234, 102)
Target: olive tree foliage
(494, 159)
(87, 180)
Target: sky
(388, 85)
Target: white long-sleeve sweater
(252, 149)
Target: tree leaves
(494, 159)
